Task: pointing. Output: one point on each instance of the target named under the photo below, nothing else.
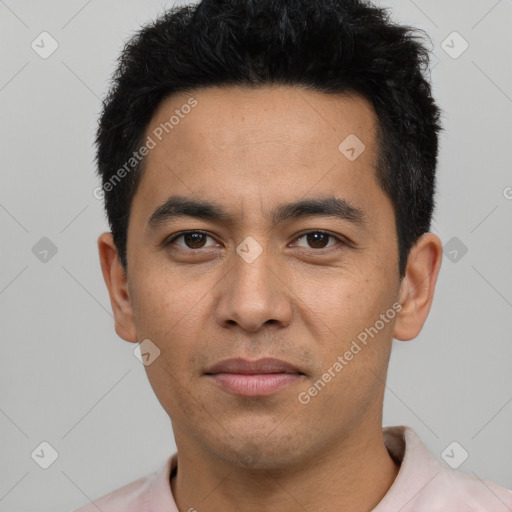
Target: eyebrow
(180, 206)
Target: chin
(259, 451)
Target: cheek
(168, 313)
(160, 302)
(174, 315)
(343, 302)
(345, 318)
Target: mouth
(254, 378)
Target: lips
(260, 378)
(258, 367)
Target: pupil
(312, 236)
(193, 238)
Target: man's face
(304, 299)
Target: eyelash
(171, 241)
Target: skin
(301, 301)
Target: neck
(354, 474)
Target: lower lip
(262, 384)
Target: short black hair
(329, 46)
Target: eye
(191, 239)
(195, 240)
(318, 239)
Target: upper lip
(244, 366)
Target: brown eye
(192, 240)
(318, 239)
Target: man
(268, 170)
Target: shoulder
(132, 497)
(461, 491)
(424, 484)
(149, 493)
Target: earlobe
(418, 285)
(116, 280)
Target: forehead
(226, 118)
(251, 148)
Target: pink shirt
(422, 485)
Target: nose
(254, 293)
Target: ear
(116, 280)
(417, 287)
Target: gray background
(65, 376)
